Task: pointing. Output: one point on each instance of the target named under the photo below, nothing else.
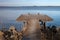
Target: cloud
(29, 2)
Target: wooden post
(44, 25)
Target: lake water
(11, 13)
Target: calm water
(11, 13)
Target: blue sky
(29, 2)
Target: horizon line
(41, 5)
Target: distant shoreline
(29, 6)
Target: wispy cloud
(29, 2)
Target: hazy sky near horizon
(29, 2)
